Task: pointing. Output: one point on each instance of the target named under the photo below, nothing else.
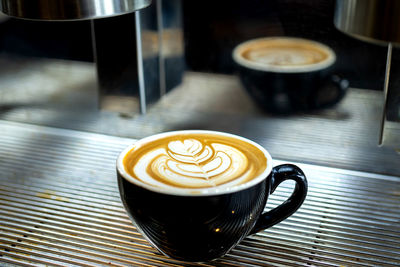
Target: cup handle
(278, 175)
(334, 85)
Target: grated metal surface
(59, 206)
(345, 136)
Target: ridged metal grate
(59, 206)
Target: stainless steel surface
(68, 9)
(59, 206)
(342, 137)
(369, 20)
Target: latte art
(195, 161)
(285, 56)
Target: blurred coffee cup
(286, 74)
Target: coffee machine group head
(68, 9)
(133, 41)
(377, 22)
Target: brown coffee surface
(285, 52)
(195, 160)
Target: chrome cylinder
(374, 21)
(69, 9)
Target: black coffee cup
(286, 75)
(203, 225)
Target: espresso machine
(129, 80)
(134, 69)
(94, 76)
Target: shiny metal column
(385, 92)
(139, 56)
(139, 62)
(115, 49)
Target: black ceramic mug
(285, 74)
(197, 223)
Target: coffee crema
(284, 54)
(195, 161)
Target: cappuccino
(284, 54)
(194, 195)
(194, 160)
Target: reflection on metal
(369, 20)
(170, 36)
(160, 26)
(140, 72)
(69, 10)
(139, 56)
(124, 105)
(60, 206)
(385, 92)
(117, 61)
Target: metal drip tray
(59, 206)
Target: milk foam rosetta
(195, 161)
(285, 53)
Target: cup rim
(240, 60)
(212, 191)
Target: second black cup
(285, 75)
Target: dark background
(212, 29)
